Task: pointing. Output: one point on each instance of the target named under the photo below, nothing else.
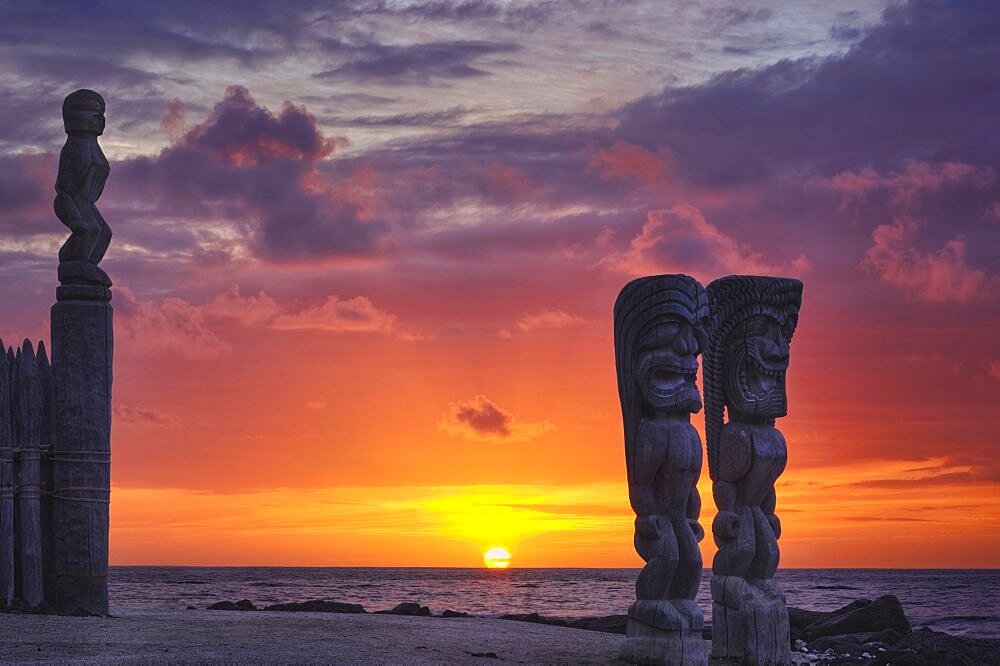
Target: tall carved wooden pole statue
(753, 319)
(659, 332)
(82, 344)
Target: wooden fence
(26, 435)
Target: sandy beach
(141, 637)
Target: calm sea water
(959, 602)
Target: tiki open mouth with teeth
(667, 379)
(760, 382)
(671, 382)
(760, 379)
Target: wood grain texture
(28, 494)
(752, 322)
(749, 622)
(6, 477)
(658, 324)
(82, 351)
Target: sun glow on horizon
(496, 558)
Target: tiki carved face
(667, 364)
(756, 363)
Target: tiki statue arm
(735, 458)
(642, 471)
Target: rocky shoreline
(864, 631)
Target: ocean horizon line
(510, 568)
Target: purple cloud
(413, 63)
(259, 171)
(481, 419)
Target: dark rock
(886, 636)
(884, 613)
(192, 608)
(800, 618)
(242, 605)
(484, 655)
(411, 608)
(451, 613)
(609, 624)
(318, 606)
(852, 644)
(535, 618)
(932, 647)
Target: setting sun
(496, 558)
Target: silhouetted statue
(79, 489)
(659, 332)
(753, 319)
(83, 169)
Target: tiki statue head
(659, 332)
(753, 320)
(83, 111)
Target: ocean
(961, 602)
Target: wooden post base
(649, 645)
(749, 622)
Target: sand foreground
(146, 637)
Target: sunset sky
(366, 253)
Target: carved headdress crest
(642, 304)
(734, 300)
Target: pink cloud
(548, 319)
(135, 415)
(508, 182)
(171, 325)
(361, 188)
(177, 325)
(174, 121)
(257, 310)
(906, 186)
(938, 276)
(680, 239)
(627, 161)
(995, 369)
(340, 315)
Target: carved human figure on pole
(82, 362)
(753, 320)
(83, 170)
(659, 332)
